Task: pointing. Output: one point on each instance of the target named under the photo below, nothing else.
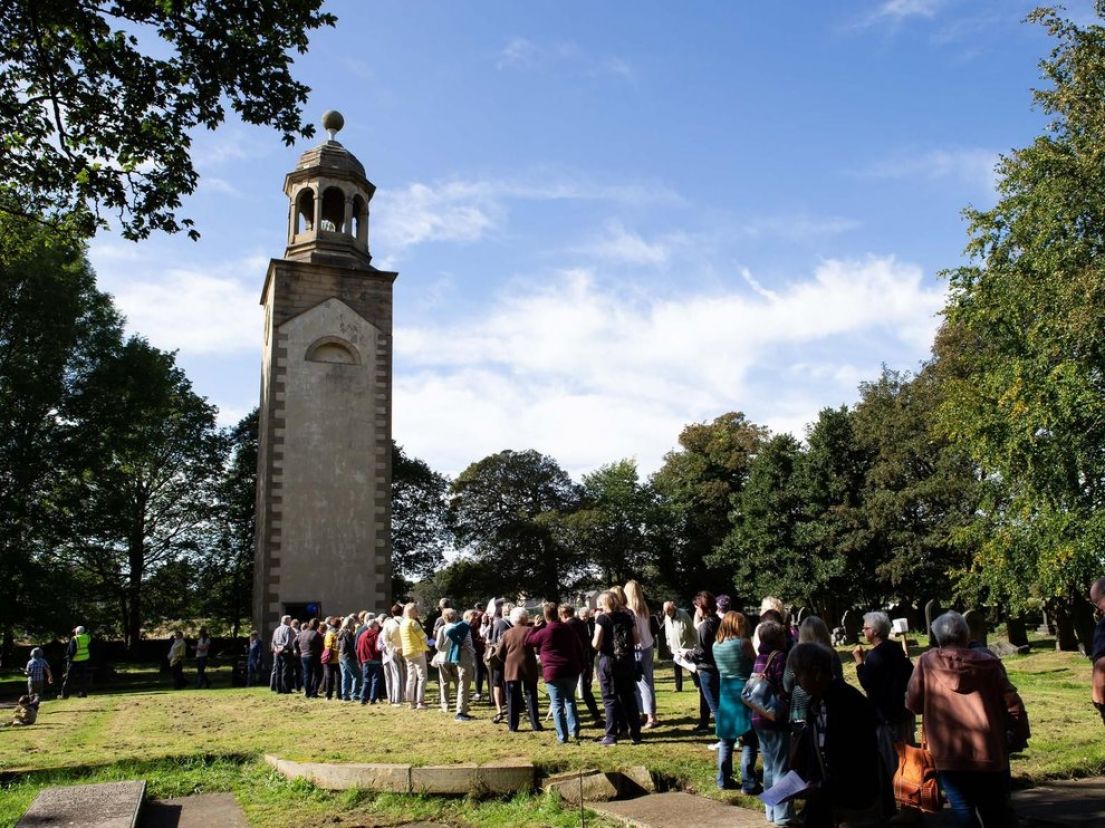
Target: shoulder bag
(915, 782)
(763, 696)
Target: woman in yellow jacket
(331, 681)
(415, 646)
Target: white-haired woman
(520, 671)
(646, 690)
(414, 646)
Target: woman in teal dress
(734, 656)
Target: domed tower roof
(329, 196)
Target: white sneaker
(715, 746)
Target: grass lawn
(211, 740)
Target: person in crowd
(679, 632)
(723, 603)
(619, 594)
(706, 627)
(615, 640)
(462, 636)
(519, 671)
(499, 625)
(281, 646)
(558, 647)
(297, 664)
(839, 751)
(310, 657)
(331, 674)
(253, 660)
(395, 678)
(448, 675)
(415, 646)
(1097, 653)
(973, 718)
(734, 658)
(646, 688)
(370, 659)
(773, 727)
(203, 652)
(26, 711)
(38, 673)
(587, 660)
(439, 622)
(479, 646)
(177, 650)
(347, 659)
(77, 655)
(884, 672)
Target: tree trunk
(1082, 618)
(1060, 612)
(7, 648)
(133, 631)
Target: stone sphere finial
(332, 122)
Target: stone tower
(324, 466)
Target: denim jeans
(977, 795)
(709, 685)
(646, 693)
(310, 678)
(350, 675)
(372, 681)
(750, 746)
(562, 700)
(725, 762)
(773, 748)
(201, 673)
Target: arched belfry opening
(329, 195)
(323, 520)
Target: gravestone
(852, 622)
(932, 612)
(1016, 631)
(839, 637)
(103, 805)
(976, 624)
(802, 615)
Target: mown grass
(212, 740)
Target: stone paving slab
(678, 810)
(220, 810)
(103, 805)
(1066, 802)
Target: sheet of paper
(681, 659)
(786, 788)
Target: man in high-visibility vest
(76, 663)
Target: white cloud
(972, 166)
(565, 56)
(589, 375)
(196, 311)
(464, 211)
(800, 227)
(903, 9)
(626, 247)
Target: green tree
(502, 509)
(830, 482)
(1028, 400)
(226, 566)
(54, 328)
(97, 100)
(144, 492)
(700, 485)
(921, 492)
(611, 533)
(763, 549)
(419, 519)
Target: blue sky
(611, 220)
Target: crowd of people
(771, 692)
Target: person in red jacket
(973, 719)
(371, 661)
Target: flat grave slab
(103, 805)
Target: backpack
(493, 655)
(621, 641)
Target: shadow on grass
(70, 774)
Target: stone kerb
(508, 776)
